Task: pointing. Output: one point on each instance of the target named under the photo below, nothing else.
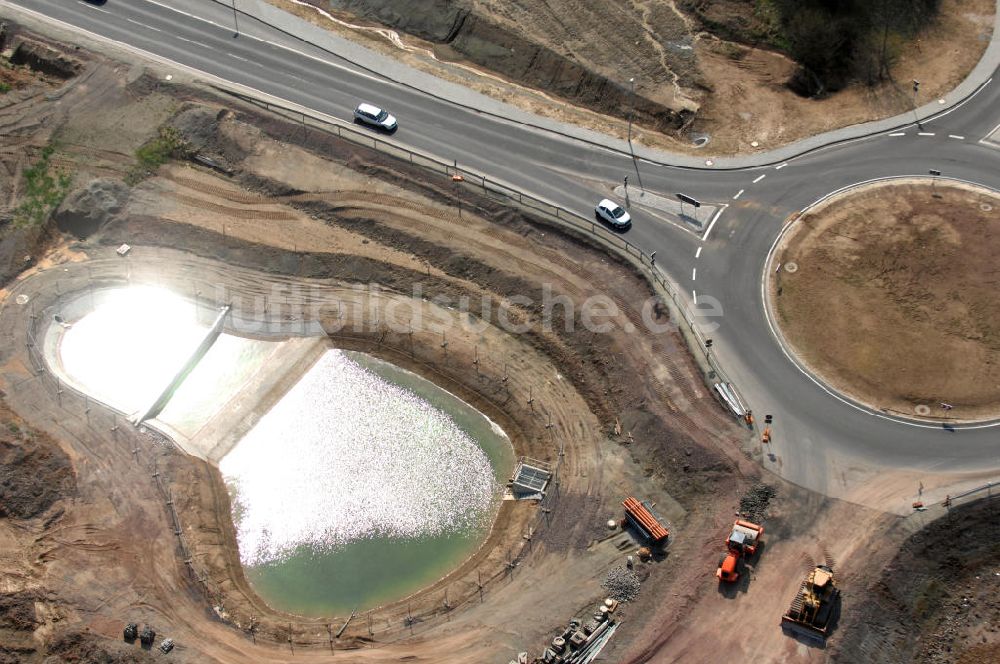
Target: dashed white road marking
(232, 55)
(694, 296)
(694, 274)
(957, 138)
(139, 23)
(898, 133)
(780, 166)
(738, 194)
(760, 177)
(269, 43)
(925, 133)
(697, 252)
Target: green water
(368, 573)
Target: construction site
(272, 392)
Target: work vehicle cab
(375, 117)
(613, 214)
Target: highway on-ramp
(820, 441)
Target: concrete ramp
(161, 401)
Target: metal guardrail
(662, 286)
(950, 501)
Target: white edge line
(760, 177)
(738, 194)
(711, 225)
(961, 103)
(795, 363)
(943, 113)
(178, 66)
(697, 252)
(271, 43)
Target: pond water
(364, 484)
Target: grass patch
(44, 190)
(167, 145)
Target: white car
(613, 214)
(375, 117)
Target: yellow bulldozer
(814, 609)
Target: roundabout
(885, 292)
(826, 317)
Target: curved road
(820, 442)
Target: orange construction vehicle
(742, 543)
(642, 519)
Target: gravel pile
(622, 584)
(754, 502)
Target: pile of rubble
(754, 502)
(622, 584)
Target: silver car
(613, 214)
(375, 117)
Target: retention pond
(364, 484)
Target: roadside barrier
(548, 212)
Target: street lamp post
(631, 109)
(935, 174)
(236, 21)
(916, 88)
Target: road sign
(684, 198)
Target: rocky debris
(753, 503)
(17, 611)
(86, 647)
(17, 247)
(622, 584)
(45, 59)
(84, 211)
(34, 474)
(203, 131)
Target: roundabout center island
(888, 293)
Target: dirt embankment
(674, 430)
(937, 601)
(37, 487)
(889, 293)
(537, 46)
(304, 208)
(718, 69)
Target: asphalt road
(816, 434)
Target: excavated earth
(707, 78)
(106, 524)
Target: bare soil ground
(944, 583)
(338, 215)
(303, 220)
(893, 298)
(692, 80)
